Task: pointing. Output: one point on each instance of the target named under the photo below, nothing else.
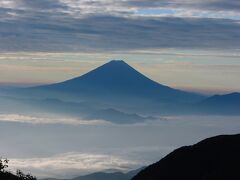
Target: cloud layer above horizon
(110, 25)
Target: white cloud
(228, 9)
(7, 4)
(72, 163)
(91, 7)
(51, 120)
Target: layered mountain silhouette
(215, 158)
(117, 92)
(59, 108)
(116, 79)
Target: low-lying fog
(61, 147)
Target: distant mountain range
(228, 104)
(215, 158)
(118, 93)
(117, 86)
(105, 176)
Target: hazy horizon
(181, 70)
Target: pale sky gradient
(202, 71)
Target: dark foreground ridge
(215, 158)
(7, 175)
(10, 176)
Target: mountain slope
(8, 176)
(215, 158)
(221, 104)
(117, 78)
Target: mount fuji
(117, 80)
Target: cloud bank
(109, 25)
(50, 120)
(72, 163)
(76, 150)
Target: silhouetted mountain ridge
(226, 99)
(221, 104)
(117, 78)
(215, 158)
